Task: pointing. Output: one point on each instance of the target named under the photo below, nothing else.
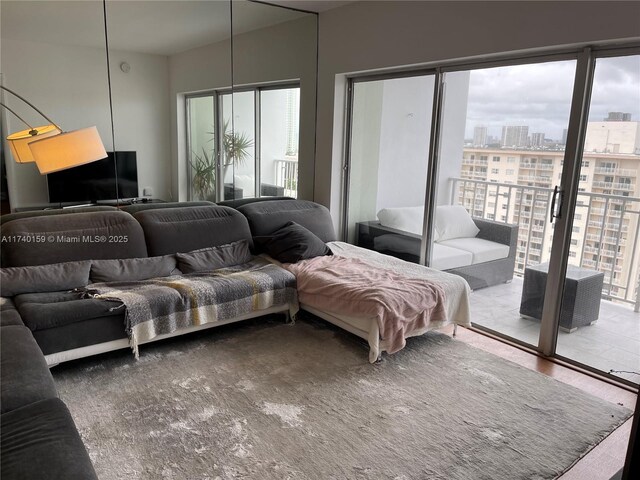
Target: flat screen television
(96, 181)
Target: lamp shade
(67, 150)
(19, 141)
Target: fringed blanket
(163, 305)
(350, 286)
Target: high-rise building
(613, 136)
(515, 136)
(480, 136)
(618, 117)
(537, 140)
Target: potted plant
(235, 147)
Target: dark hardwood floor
(605, 459)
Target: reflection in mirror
(165, 57)
(274, 94)
(53, 54)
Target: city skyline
(539, 95)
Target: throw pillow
(212, 258)
(132, 269)
(44, 278)
(453, 221)
(292, 243)
(408, 219)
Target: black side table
(580, 302)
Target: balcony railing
(287, 176)
(608, 235)
(625, 172)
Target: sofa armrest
(504, 233)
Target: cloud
(539, 95)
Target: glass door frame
(585, 58)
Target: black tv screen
(97, 180)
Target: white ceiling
(162, 27)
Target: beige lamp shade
(19, 141)
(67, 150)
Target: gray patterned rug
(263, 400)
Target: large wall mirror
(54, 55)
(210, 99)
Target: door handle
(556, 209)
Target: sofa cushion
(25, 375)
(208, 259)
(173, 230)
(40, 311)
(139, 207)
(268, 216)
(132, 269)
(40, 441)
(444, 257)
(292, 243)
(408, 219)
(75, 236)
(8, 313)
(44, 278)
(453, 221)
(482, 250)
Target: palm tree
(235, 150)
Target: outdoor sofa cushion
(481, 250)
(445, 257)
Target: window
(510, 172)
(511, 159)
(496, 159)
(583, 178)
(495, 171)
(259, 148)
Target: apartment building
(516, 186)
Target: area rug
(265, 400)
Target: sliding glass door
(599, 321)
(501, 155)
(389, 150)
(547, 236)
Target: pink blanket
(350, 286)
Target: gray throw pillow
(207, 259)
(132, 269)
(44, 278)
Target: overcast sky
(539, 95)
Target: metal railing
(608, 236)
(286, 175)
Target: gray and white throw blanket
(163, 305)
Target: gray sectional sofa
(39, 438)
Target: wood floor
(605, 459)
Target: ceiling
(145, 26)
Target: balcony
(623, 172)
(525, 203)
(286, 175)
(612, 343)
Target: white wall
(369, 35)
(69, 84)
(404, 141)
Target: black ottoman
(580, 302)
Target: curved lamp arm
(32, 106)
(19, 117)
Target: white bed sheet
(456, 291)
